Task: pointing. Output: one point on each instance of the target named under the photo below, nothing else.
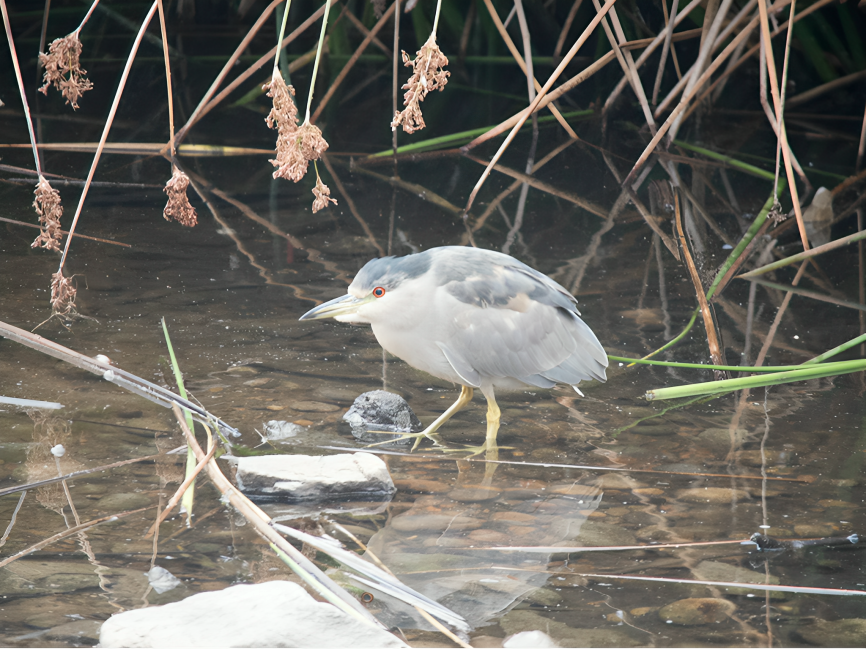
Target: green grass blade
(793, 259)
(747, 239)
(837, 350)
(466, 136)
(738, 164)
(698, 366)
(188, 498)
(816, 371)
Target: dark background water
(231, 292)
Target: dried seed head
(178, 207)
(323, 196)
(49, 209)
(378, 7)
(284, 118)
(427, 76)
(63, 70)
(62, 294)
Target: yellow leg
(493, 413)
(464, 398)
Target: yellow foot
(416, 436)
(488, 449)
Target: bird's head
(375, 293)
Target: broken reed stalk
(522, 117)
(506, 38)
(428, 74)
(178, 207)
(47, 201)
(709, 324)
(780, 120)
(260, 521)
(62, 292)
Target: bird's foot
(486, 448)
(416, 436)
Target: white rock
(308, 477)
(161, 580)
(276, 429)
(272, 614)
(529, 639)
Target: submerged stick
(709, 323)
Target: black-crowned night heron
(475, 317)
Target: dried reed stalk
(369, 38)
(522, 63)
(62, 291)
(47, 201)
(178, 207)
(197, 113)
(709, 324)
(524, 115)
(777, 102)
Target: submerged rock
(520, 622)
(272, 614)
(277, 429)
(309, 477)
(836, 633)
(381, 411)
(695, 611)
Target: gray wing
(516, 322)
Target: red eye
(378, 291)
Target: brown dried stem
(371, 35)
(780, 121)
(522, 63)
(569, 19)
(524, 115)
(108, 122)
(547, 99)
(206, 104)
(709, 324)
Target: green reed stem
(699, 366)
(188, 498)
(318, 58)
(280, 39)
(466, 136)
(738, 164)
(816, 371)
(837, 350)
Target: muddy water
(609, 469)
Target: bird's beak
(341, 306)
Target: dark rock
(381, 411)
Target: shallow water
(608, 469)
